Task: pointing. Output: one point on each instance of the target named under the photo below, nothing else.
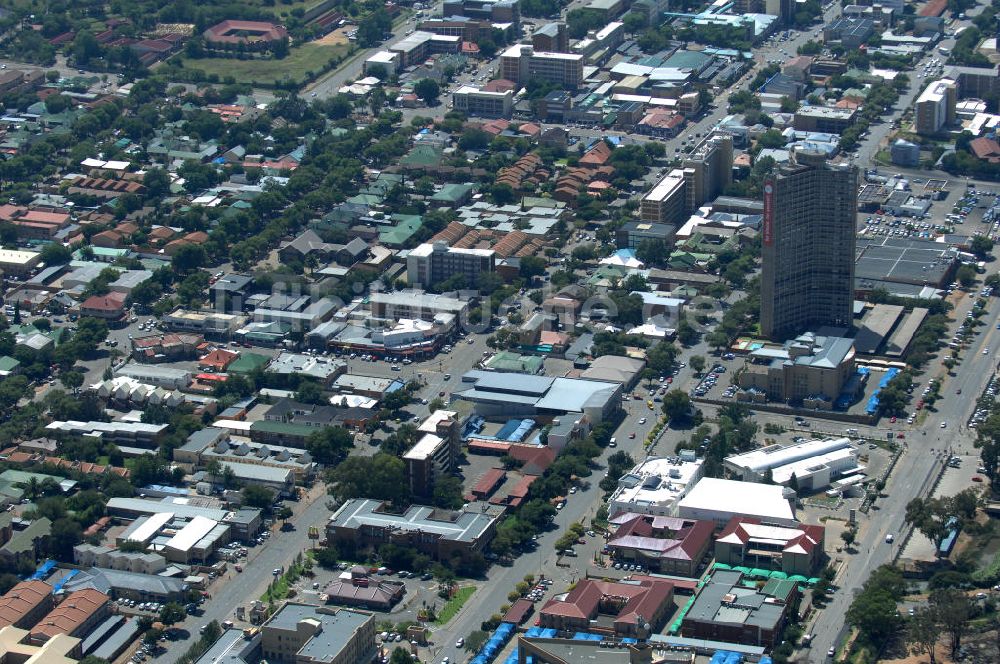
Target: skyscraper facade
(808, 242)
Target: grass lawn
(308, 57)
(454, 605)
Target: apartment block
(666, 201)
(708, 171)
(935, 107)
(521, 63)
(807, 279)
(426, 461)
(430, 264)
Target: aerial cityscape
(499, 332)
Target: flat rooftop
(464, 527)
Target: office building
(494, 11)
(810, 369)
(430, 264)
(718, 500)
(613, 608)
(519, 395)
(470, 30)
(824, 119)
(665, 202)
(475, 102)
(813, 463)
(439, 533)
(807, 280)
(661, 544)
(726, 609)
(633, 233)
(935, 107)
(551, 37)
(521, 63)
(708, 171)
(654, 486)
(307, 634)
(415, 47)
(748, 542)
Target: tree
(874, 613)
(717, 339)
(400, 656)
(448, 493)
(72, 379)
(255, 495)
(676, 405)
(930, 516)
(532, 266)
(476, 640)
(953, 609)
(981, 246)
(848, 535)
(329, 445)
(66, 533)
(427, 89)
(172, 613)
(284, 513)
(310, 392)
(923, 632)
(697, 363)
(966, 275)
(189, 257)
(157, 182)
(686, 333)
(380, 477)
(55, 253)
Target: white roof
(233, 425)
(725, 498)
(383, 57)
(773, 456)
(424, 448)
(152, 525)
(430, 424)
(191, 534)
(936, 91)
(837, 461)
(666, 186)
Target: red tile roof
(110, 302)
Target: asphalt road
(240, 589)
(913, 476)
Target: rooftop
(459, 526)
(716, 496)
(334, 629)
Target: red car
(893, 419)
(670, 379)
(632, 435)
(900, 435)
(977, 478)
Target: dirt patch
(337, 37)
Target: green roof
(407, 226)
(515, 363)
(422, 155)
(452, 193)
(24, 541)
(288, 428)
(778, 587)
(8, 363)
(247, 363)
(365, 199)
